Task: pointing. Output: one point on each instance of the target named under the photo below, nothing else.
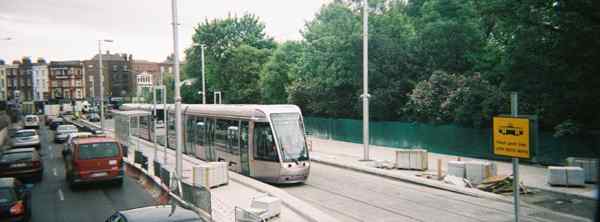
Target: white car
(63, 131)
(31, 121)
(26, 138)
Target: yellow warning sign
(511, 137)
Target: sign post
(514, 109)
(511, 138)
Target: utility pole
(365, 95)
(101, 81)
(178, 158)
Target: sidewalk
(347, 155)
(237, 193)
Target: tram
(266, 142)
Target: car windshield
(31, 118)
(6, 196)
(98, 150)
(290, 136)
(12, 157)
(69, 128)
(25, 134)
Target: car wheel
(119, 182)
(39, 177)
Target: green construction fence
(451, 139)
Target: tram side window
(171, 122)
(244, 135)
(221, 134)
(190, 135)
(200, 129)
(265, 144)
(233, 139)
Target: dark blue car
(15, 200)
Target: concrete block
(211, 174)
(589, 166)
(477, 171)
(456, 168)
(414, 159)
(271, 205)
(565, 176)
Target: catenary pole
(365, 95)
(178, 133)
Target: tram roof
(232, 110)
(131, 112)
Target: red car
(90, 159)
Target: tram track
(352, 196)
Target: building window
(67, 93)
(115, 67)
(90, 66)
(54, 83)
(125, 67)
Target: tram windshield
(290, 136)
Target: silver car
(26, 138)
(63, 131)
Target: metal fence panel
(450, 139)
(201, 197)
(165, 176)
(157, 166)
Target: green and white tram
(266, 142)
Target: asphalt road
(354, 196)
(54, 201)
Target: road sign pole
(514, 107)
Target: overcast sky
(69, 29)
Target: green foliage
(223, 59)
(545, 50)
(279, 72)
(444, 98)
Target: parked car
(26, 138)
(63, 131)
(93, 159)
(93, 117)
(78, 135)
(57, 122)
(22, 163)
(31, 121)
(49, 119)
(15, 200)
(160, 213)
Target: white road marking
(60, 195)
(54, 171)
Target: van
(31, 121)
(93, 159)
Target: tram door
(244, 158)
(210, 142)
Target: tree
(452, 98)
(222, 37)
(280, 71)
(243, 68)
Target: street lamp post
(202, 46)
(101, 80)
(179, 144)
